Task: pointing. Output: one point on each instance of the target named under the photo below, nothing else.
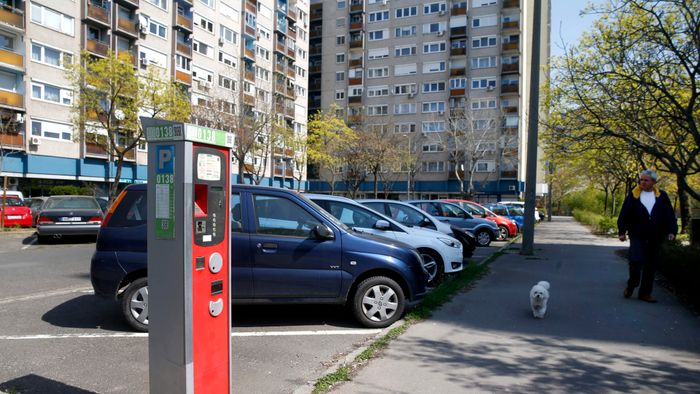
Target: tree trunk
(683, 205)
(114, 188)
(376, 184)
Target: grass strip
(436, 298)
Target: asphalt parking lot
(56, 336)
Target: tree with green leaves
(111, 96)
(329, 139)
(635, 77)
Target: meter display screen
(208, 167)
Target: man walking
(647, 216)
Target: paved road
(592, 340)
(57, 337)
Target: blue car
(286, 249)
(511, 212)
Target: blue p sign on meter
(165, 180)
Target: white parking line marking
(234, 334)
(46, 294)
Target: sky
(567, 24)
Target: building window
(339, 94)
(227, 35)
(340, 4)
(377, 53)
(340, 76)
(458, 83)
(183, 63)
(484, 42)
(46, 92)
(433, 87)
(59, 131)
(51, 56)
(379, 16)
(485, 166)
(406, 12)
(377, 110)
(52, 19)
(433, 166)
(433, 127)
(405, 31)
(484, 104)
(434, 47)
(159, 3)
(157, 29)
(404, 127)
(434, 8)
(340, 58)
(377, 91)
(432, 148)
(340, 40)
(483, 62)
(433, 106)
(485, 21)
(483, 3)
(409, 88)
(407, 50)
(484, 83)
(434, 67)
(378, 72)
(340, 22)
(227, 59)
(227, 83)
(377, 35)
(404, 108)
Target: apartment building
(450, 77)
(247, 56)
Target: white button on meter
(216, 307)
(216, 262)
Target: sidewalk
(592, 339)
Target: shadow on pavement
(30, 384)
(87, 311)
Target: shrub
(601, 224)
(681, 266)
(70, 190)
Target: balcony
(248, 99)
(97, 13)
(355, 62)
(316, 14)
(11, 58)
(183, 22)
(511, 25)
(292, 34)
(509, 89)
(291, 15)
(510, 109)
(129, 3)
(355, 99)
(355, 81)
(457, 32)
(314, 69)
(511, 3)
(249, 76)
(288, 172)
(290, 53)
(11, 99)
(98, 48)
(510, 68)
(457, 72)
(457, 92)
(458, 51)
(12, 141)
(280, 47)
(315, 84)
(93, 149)
(458, 11)
(357, 44)
(291, 74)
(280, 68)
(356, 25)
(511, 46)
(129, 56)
(183, 77)
(12, 16)
(250, 31)
(358, 7)
(128, 26)
(184, 49)
(247, 52)
(354, 118)
(509, 174)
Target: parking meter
(188, 258)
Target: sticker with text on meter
(208, 167)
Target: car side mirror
(323, 231)
(382, 225)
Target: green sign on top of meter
(163, 130)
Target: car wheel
(502, 233)
(433, 265)
(135, 304)
(483, 237)
(378, 302)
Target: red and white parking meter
(188, 258)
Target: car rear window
(71, 203)
(12, 202)
(131, 211)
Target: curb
(349, 358)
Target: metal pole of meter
(527, 247)
(189, 252)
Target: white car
(441, 253)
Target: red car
(15, 213)
(507, 228)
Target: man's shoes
(628, 292)
(648, 298)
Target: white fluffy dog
(539, 294)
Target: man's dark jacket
(640, 225)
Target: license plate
(71, 219)
(14, 217)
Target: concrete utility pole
(527, 247)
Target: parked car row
(303, 248)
